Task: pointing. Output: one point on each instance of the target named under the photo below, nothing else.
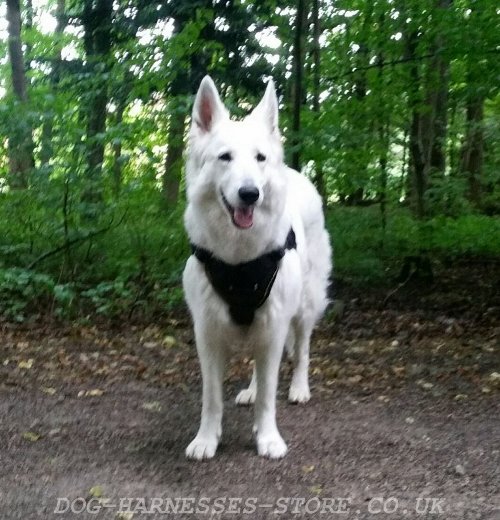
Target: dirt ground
(404, 420)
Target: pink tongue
(243, 217)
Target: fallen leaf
(31, 436)
(494, 377)
(124, 516)
(153, 406)
(95, 392)
(308, 469)
(48, 390)
(169, 341)
(399, 370)
(96, 491)
(26, 365)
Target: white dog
(260, 265)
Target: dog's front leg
(267, 360)
(212, 361)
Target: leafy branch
(77, 240)
(391, 63)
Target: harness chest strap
(244, 287)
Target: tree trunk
(451, 151)
(472, 151)
(419, 128)
(429, 117)
(316, 55)
(438, 94)
(364, 123)
(438, 149)
(117, 148)
(297, 85)
(173, 160)
(383, 125)
(28, 24)
(473, 148)
(177, 91)
(97, 42)
(21, 160)
(47, 149)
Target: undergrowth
(128, 263)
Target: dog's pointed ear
(267, 109)
(208, 107)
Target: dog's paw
(201, 448)
(299, 394)
(271, 446)
(246, 397)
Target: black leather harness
(246, 286)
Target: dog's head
(235, 164)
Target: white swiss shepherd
(224, 157)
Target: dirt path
(345, 445)
(405, 406)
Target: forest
(392, 107)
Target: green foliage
(22, 290)
(93, 232)
(126, 261)
(365, 253)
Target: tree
(429, 102)
(47, 149)
(297, 80)
(316, 58)
(21, 160)
(97, 24)
(472, 156)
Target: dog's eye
(225, 157)
(260, 157)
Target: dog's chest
(244, 287)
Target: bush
(365, 252)
(127, 262)
(22, 290)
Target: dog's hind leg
(299, 388)
(247, 396)
(212, 361)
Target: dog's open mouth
(242, 216)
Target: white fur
(299, 295)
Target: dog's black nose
(248, 194)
